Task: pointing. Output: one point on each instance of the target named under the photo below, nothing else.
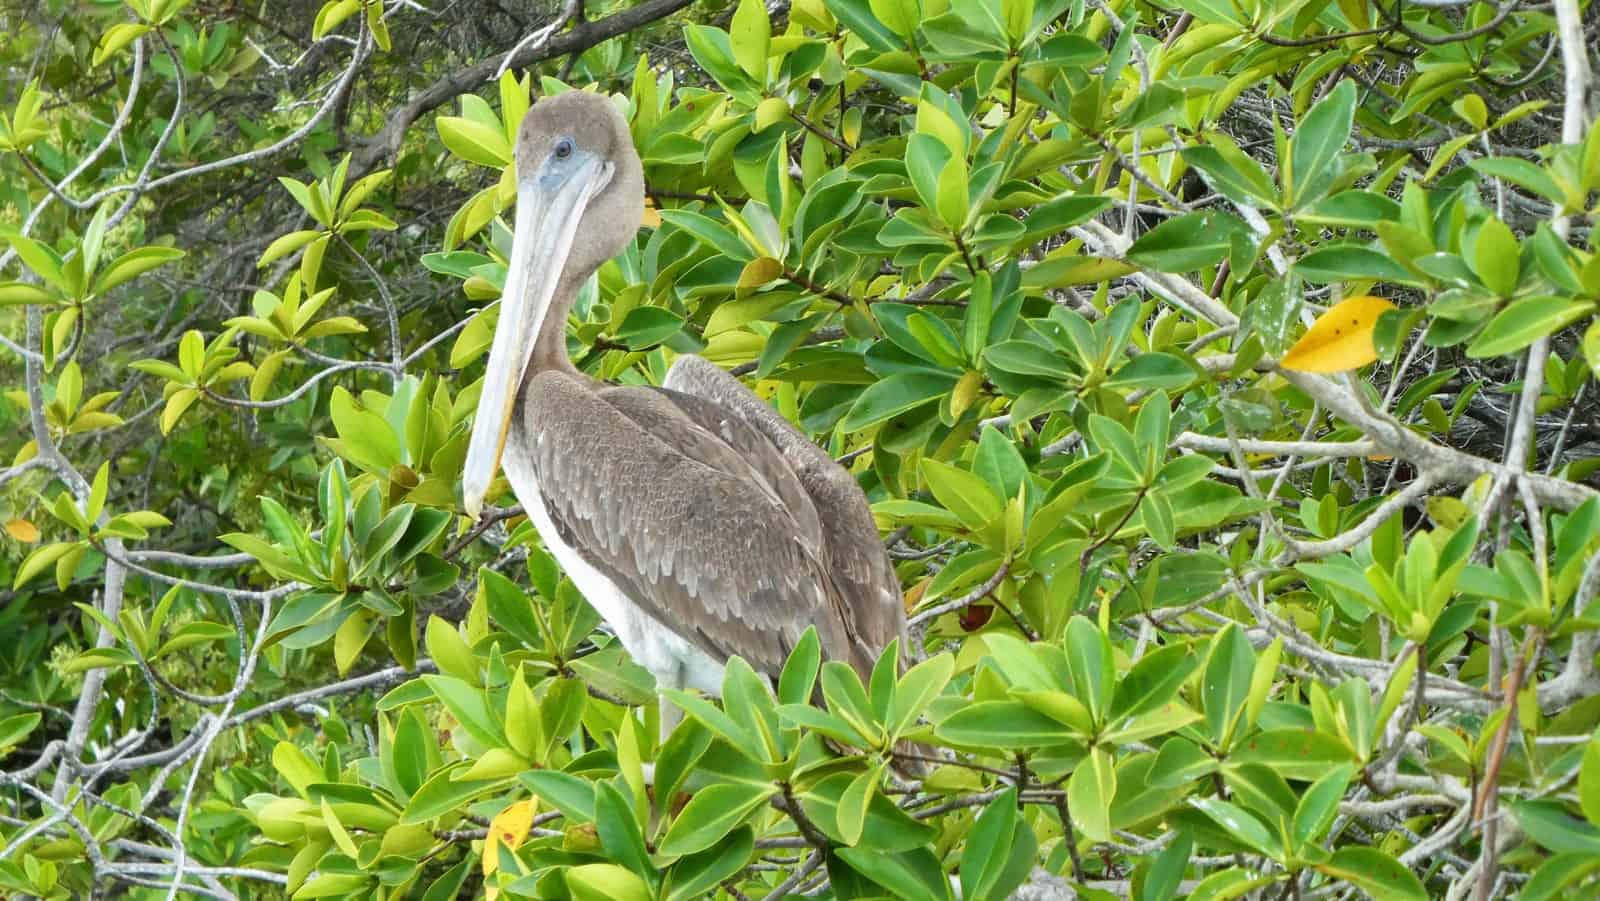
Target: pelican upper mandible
(696, 520)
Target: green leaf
(331, 15)
(710, 232)
(711, 48)
(1183, 243)
(605, 882)
(1375, 873)
(1559, 877)
(1155, 371)
(1351, 263)
(1114, 438)
(44, 262)
(509, 606)
(1495, 257)
(953, 203)
(896, 394)
(620, 835)
(1524, 322)
(1225, 684)
(365, 437)
(909, 875)
(1026, 358)
(1090, 666)
(999, 850)
(18, 293)
(715, 720)
(711, 814)
(899, 15)
(97, 658)
(565, 792)
(475, 142)
(1317, 144)
(916, 689)
(1240, 824)
(847, 697)
(1589, 780)
(133, 264)
(1002, 724)
(1524, 174)
(1549, 824)
(190, 634)
(645, 327)
(1234, 175)
(956, 37)
(821, 722)
(851, 812)
(1152, 681)
(1320, 804)
(750, 33)
(470, 708)
(962, 493)
(443, 793)
(1061, 213)
(1164, 879)
(858, 17)
(295, 767)
(1351, 209)
(450, 651)
(698, 875)
(1090, 790)
(1293, 753)
(927, 157)
(160, 369)
(474, 340)
(14, 729)
(40, 559)
(888, 828)
(116, 38)
(799, 675)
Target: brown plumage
(697, 520)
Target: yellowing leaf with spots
(651, 217)
(913, 595)
(1340, 339)
(509, 827)
(22, 530)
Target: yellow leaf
(756, 273)
(913, 595)
(22, 530)
(27, 452)
(965, 392)
(770, 112)
(1447, 512)
(510, 827)
(1340, 339)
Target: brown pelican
(697, 521)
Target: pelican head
(580, 198)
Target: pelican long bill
(549, 207)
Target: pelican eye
(563, 148)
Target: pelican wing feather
(863, 575)
(701, 524)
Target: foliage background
(1192, 623)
